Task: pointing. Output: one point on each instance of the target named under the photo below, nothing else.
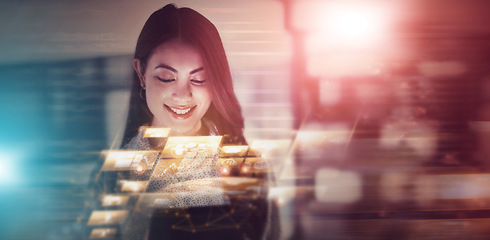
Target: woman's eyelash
(198, 82)
(165, 80)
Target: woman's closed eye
(198, 82)
(165, 80)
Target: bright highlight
(7, 170)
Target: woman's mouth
(180, 112)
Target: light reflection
(179, 147)
(336, 186)
(133, 186)
(245, 168)
(8, 173)
(233, 151)
(110, 217)
(114, 200)
(156, 132)
(122, 160)
(224, 170)
(98, 233)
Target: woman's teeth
(180, 111)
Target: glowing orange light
(117, 160)
(179, 151)
(245, 169)
(133, 186)
(103, 233)
(191, 145)
(178, 146)
(225, 170)
(234, 149)
(107, 217)
(156, 132)
(113, 200)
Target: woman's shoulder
(138, 142)
(210, 128)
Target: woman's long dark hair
(192, 28)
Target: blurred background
(375, 113)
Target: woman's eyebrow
(196, 70)
(166, 67)
(175, 71)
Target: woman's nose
(182, 92)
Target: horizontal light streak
(258, 53)
(238, 23)
(261, 72)
(265, 105)
(270, 118)
(252, 31)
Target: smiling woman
(182, 82)
(176, 90)
(182, 79)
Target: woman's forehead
(176, 54)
